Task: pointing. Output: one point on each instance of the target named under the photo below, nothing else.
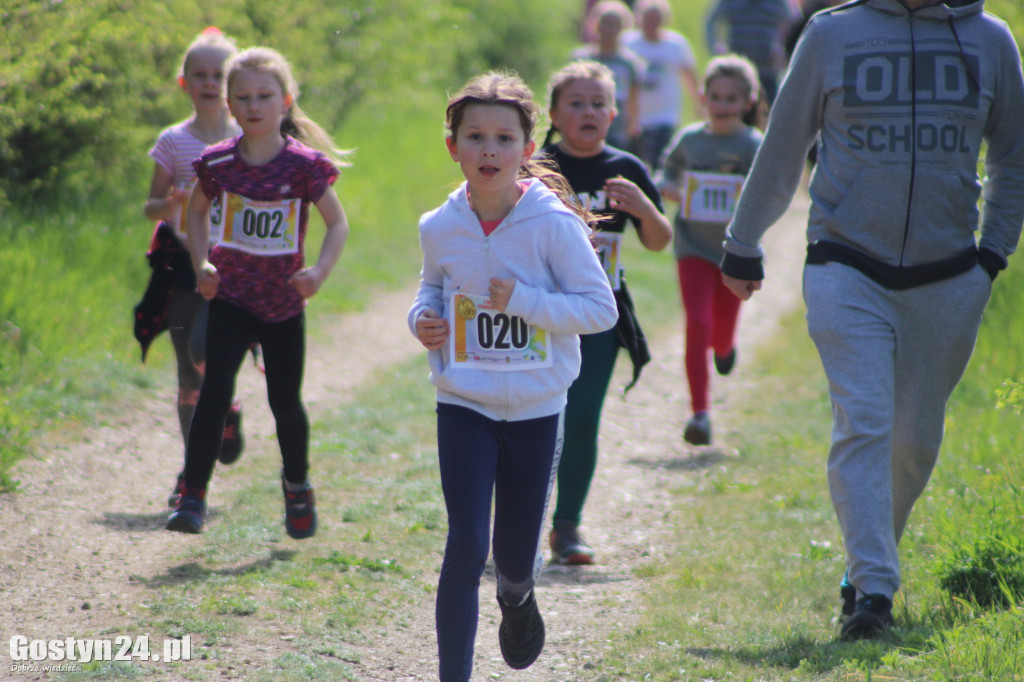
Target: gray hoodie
(902, 102)
(560, 287)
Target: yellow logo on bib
(466, 309)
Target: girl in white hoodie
(509, 281)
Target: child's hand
(177, 196)
(431, 330)
(500, 292)
(207, 281)
(307, 281)
(625, 195)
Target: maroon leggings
(712, 312)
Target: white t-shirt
(661, 89)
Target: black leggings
(230, 333)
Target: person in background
(610, 18)
(616, 186)
(670, 71)
(202, 79)
(756, 29)
(895, 281)
(703, 171)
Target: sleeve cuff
(743, 267)
(991, 261)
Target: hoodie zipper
(913, 141)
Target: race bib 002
(264, 228)
(710, 197)
(483, 337)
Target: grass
(752, 590)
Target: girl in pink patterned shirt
(255, 278)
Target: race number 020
(502, 332)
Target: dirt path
(87, 523)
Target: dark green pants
(583, 421)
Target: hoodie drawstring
(963, 56)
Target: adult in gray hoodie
(900, 96)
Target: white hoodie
(560, 287)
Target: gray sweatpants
(892, 359)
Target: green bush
(86, 85)
(989, 572)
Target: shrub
(86, 85)
(989, 572)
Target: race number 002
(258, 223)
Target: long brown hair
(505, 88)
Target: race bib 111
(710, 197)
(483, 337)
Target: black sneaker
(698, 429)
(299, 512)
(848, 593)
(189, 513)
(179, 490)
(233, 442)
(725, 363)
(568, 546)
(871, 617)
(521, 633)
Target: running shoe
(848, 593)
(232, 444)
(871, 617)
(189, 513)
(725, 363)
(521, 633)
(568, 546)
(698, 429)
(299, 512)
(179, 490)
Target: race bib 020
(710, 197)
(264, 228)
(483, 337)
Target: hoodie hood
(536, 201)
(943, 11)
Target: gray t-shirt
(695, 148)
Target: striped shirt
(174, 151)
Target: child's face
(490, 146)
(257, 102)
(650, 22)
(203, 79)
(726, 100)
(609, 26)
(583, 113)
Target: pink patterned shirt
(256, 283)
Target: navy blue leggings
(230, 332)
(517, 462)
